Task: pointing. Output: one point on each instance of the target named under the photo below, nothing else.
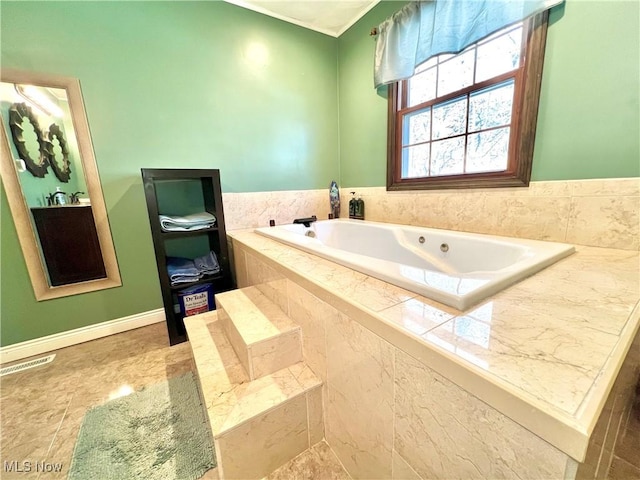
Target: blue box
(196, 299)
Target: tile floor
(41, 409)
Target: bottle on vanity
(59, 197)
(352, 205)
(359, 213)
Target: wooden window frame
(522, 135)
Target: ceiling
(331, 17)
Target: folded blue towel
(182, 270)
(207, 264)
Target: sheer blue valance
(423, 29)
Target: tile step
(254, 316)
(230, 396)
(263, 336)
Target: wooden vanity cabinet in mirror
(69, 244)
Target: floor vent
(26, 365)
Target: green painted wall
(588, 121)
(363, 111)
(589, 115)
(169, 84)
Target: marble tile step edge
(230, 398)
(262, 335)
(255, 316)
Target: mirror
(51, 179)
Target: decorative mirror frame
(17, 113)
(20, 212)
(62, 172)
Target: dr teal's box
(196, 299)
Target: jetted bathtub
(455, 268)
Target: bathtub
(455, 268)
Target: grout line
(306, 397)
(55, 435)
(338, 459)
(217, 449)
(393, 408)
(604, 440)
(250, 363)
(566, 227)
(615, 438)
(59, 426)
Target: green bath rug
(159, 432)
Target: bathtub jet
(455, 268)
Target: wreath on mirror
(17, 114)
(61, 169)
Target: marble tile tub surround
(599, 213)
(522, 352)
(255, 209)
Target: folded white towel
(195, 221)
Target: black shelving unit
(206, 184)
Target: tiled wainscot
(597, 213)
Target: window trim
(526, 100)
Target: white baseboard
(41, 345)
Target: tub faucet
(306, 221)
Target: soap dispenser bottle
(359, 209)
(352, 205)
(59, 197)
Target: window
(468, 120)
